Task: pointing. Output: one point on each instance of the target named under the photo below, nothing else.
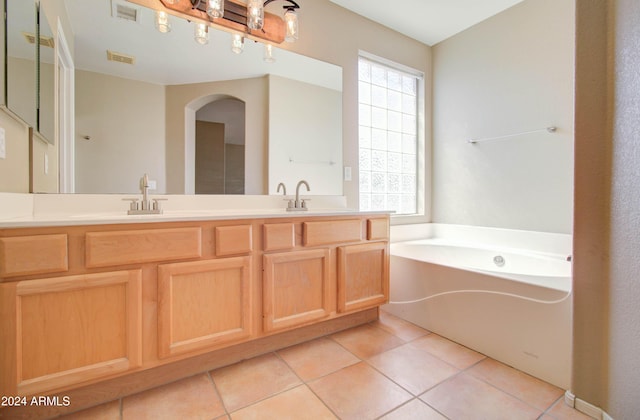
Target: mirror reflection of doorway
(220, 147)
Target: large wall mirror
(139, 93)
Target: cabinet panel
(363, 276)
(202, 304)
(331, 232)
(296, 288)
(378, 229)
(233, 240)
(72, 329)
(140, 246)
(279, 236)
(37, 254)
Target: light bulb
(172, 1)
(215, 8)
(162, 22)
(255, 14)
(291, 23)
(268, 53)
(237, 43)
(201, 34)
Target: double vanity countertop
(36, 210)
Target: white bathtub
(518, 312)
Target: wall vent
(124, 12)
(120, 58)
(45, 41)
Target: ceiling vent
(45, 41)
(120, 58)
(125, 12)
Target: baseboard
(585, 407)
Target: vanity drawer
(38, 254)
(377, 229)
(279, 236)
(233, 240)
(331, 232)
(141, 246)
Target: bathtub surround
(509, 74)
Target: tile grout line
(217, 392)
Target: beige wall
(606, 242)
(14, 168)
(125, 122)
(309, 132)
(509, 74)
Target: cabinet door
(203, 304)
(363, 276)
(63, 331)
(296, 288)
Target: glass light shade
(291, 23)
(268, 53)
(215, 8)
(162, 22)
(237, 43)
(201, 34)
(172, 1)
(255, 14)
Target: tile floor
(387, 369)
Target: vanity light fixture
(268, 53)
(201, 34)
(162, 22)
(246, 17)
(215, 8)
(237, 43)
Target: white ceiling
(428, 21)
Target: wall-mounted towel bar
(547, 129)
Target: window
(389, 137)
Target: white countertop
(29, 210)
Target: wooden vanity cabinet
(111, 302)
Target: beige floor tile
(412, 368)
(252, 380)
(561, 411)
(367, 340)
(359, 392)
(399, 327)
(531, 390)
(452, 353)
(108, 411)
(191, 398)
(414, 410)
(295, 404)
(466, 397)
(317, 358)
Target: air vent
(125, 12)
(45, 41)
(120, 58)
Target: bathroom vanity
(96, 309)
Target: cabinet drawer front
(279, 236)
(203, 304)
(331, 232)
(378, 229)
(73, 329)
(233, 240)
(140, 246)
(39, 254)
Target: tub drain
(498, 260)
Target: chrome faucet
(284, 189)
(146, 207)
(299, 204)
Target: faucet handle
(303, 202)
(156, 203)
(134, 203)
